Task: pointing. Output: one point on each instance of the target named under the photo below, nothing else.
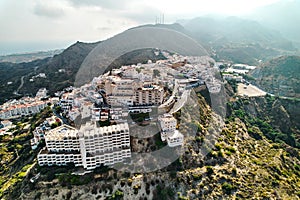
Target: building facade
(89, 147)
(168, 130)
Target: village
(91, 124)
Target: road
(20, 86)
(180, 102)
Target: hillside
(164, 37)
(236, 39)
(62, 69)
(245, 162)
(280, 76)
(69, 60)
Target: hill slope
(245, 163)
(69, 60)
(280, 76)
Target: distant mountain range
(234, 39)
(239, 40)
(28, 57)
(283, 16)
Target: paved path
(21, 85)
(180, 102)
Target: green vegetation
(117, 195)
(233, 84)
(15, 151)
(280, 76)
(258, 126)
(227, 187)
(156, 73)
(70, 179)
(163, 192)
(139, 117)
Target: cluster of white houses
(23, 107)
(88, 147)
(112, 97)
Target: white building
(149, 94)
(119, 91)
(175, 139)
(41, 93)
(167, 124)
(168, 130)
(25, 106)
(66, 102)
(6, 123)
(232, 77)
(90, 146)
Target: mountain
(13, 74)
(283, 16)
(236, 39)
(28, 57)
(63, 70)
(162, 37)
(280, 76)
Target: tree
(156, 73)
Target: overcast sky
(50, 24)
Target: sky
(34, 25)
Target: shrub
(227, 187)
(209, 170)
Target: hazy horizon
(46, 25)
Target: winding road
(20, 86)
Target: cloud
(143, 14)
(108, 4)
(48, 10)
(135, 10)
(104, 28)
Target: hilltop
(245, 162)
(61, 69)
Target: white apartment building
(90, 146)
(18, 108)
(66, 102)
(168, 130)
(149, 95)
(118, 114)
(167, 124)
(73, 113)
(235, 77)
(96, 114)
(132, 92)
(119, 91)
(41, 93)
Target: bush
(209, 170)
(227, 187)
